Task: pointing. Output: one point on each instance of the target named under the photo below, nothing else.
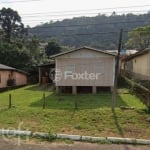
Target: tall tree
(33, 46)
(1, 35)
(139, 38)
(11, 24)
(11, 55)
(53, 47)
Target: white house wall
(86, 61)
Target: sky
(35, 12)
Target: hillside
(99, 32)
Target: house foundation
(94, 91)
(74, 90)
(58, 89)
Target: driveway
(10, 145)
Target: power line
(92, 24)
(19, 1)
(58, 19)
(37, 16)
(31, 21)
(135, 6)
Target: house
(124, 52)
(10, 76)
(138, 65)
(84, 68)
(46, 73)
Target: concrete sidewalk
(7, 145)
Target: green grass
(93, 116)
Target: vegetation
(12, 55)
(139, 38)
(10, 21)
(81, 30)
(17, 49)
(53, 47)
(93, 116)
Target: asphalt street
(12, 145)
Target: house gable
(85, 53)
(85, 60)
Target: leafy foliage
(11, 55)
(16, 48)
(139, 38)
(10, 21)
(52, 48)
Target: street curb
(93, 139)
(122, 140)
(115, 140)
(40, 134)
(128, 140)
(70, 137)
(15, 132)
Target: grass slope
(93, 116)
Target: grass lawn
(93, 116)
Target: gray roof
(4, 67)
(89, 48)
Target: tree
(33, 46)
(139, 38)
(11, 24)
(11, 55)
(52, 48)
(1, 35)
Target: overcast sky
(35, 12)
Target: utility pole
(116, 71)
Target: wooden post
(93, 89)
(39, 75)
(75, 103)
(43, 100)
(114, 93)
(74, 90)
(57, 89)
(10, 104)
(148, 102)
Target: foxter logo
(81, 76)
(58, 75)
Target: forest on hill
(100, 31)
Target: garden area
(84, 114)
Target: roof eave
(137, 54)
(63, 53)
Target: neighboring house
(123, 52)
(46, 73)
(138, 65)
(10, 76)
(86, 68)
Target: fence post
(43, 100)
(10, 104)
(148, 102)
(75, 103)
